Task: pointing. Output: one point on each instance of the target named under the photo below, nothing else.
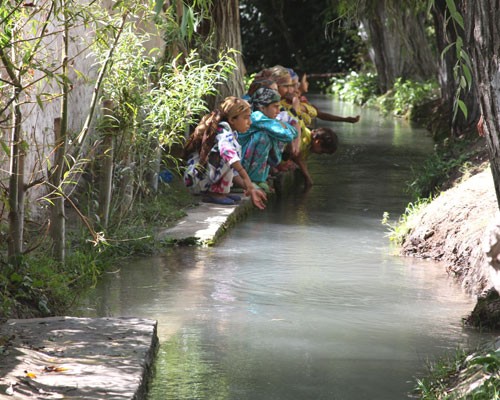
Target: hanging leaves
(463, 67)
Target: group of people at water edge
(246, 141)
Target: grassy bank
(464, 375)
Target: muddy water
(305, 300)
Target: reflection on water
(306, 299)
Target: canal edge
(206, 223)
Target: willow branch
(83, 133)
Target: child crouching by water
(210, 171)
(320, 141)
(263, 143)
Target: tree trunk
(482, 19)
(126, 192)
(226, 25)
(16, 186)
(398, 44)
(58, 213)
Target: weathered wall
(38, 123)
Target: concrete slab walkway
(76, 358)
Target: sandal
(225, 201)
(233, 197)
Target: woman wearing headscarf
(262, 144)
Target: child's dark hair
(327, 138)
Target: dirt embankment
(451, 229)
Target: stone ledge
(77, 358)
(205, 223)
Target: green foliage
(356, 88)
(248, 79)
(128, 78)
(362, 89)
(462, 70)
(397, 231)
(181, 93)
(182, 26)
(153, 106)
(449, 159)
(407, 94)
(479, 371)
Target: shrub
(406, 94)
(356, 88)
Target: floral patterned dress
(217, 175)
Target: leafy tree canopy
(301, 34)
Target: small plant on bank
(440, 374)
(40, 286)
(397, 231)
(462, 376)
(450, 161)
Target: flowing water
(307, 299)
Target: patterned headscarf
(232, 107)
(258, 83)
(264, 96)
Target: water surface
(306, 300)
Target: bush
(407, 94)
(356, 88)
(362, 89)
(451, 161)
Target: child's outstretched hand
(352, 120)
(258, 197)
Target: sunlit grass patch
(463, 376)
(398, 230)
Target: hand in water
(258, 198)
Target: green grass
(452, 160)
(462, 376)
(398, 230)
